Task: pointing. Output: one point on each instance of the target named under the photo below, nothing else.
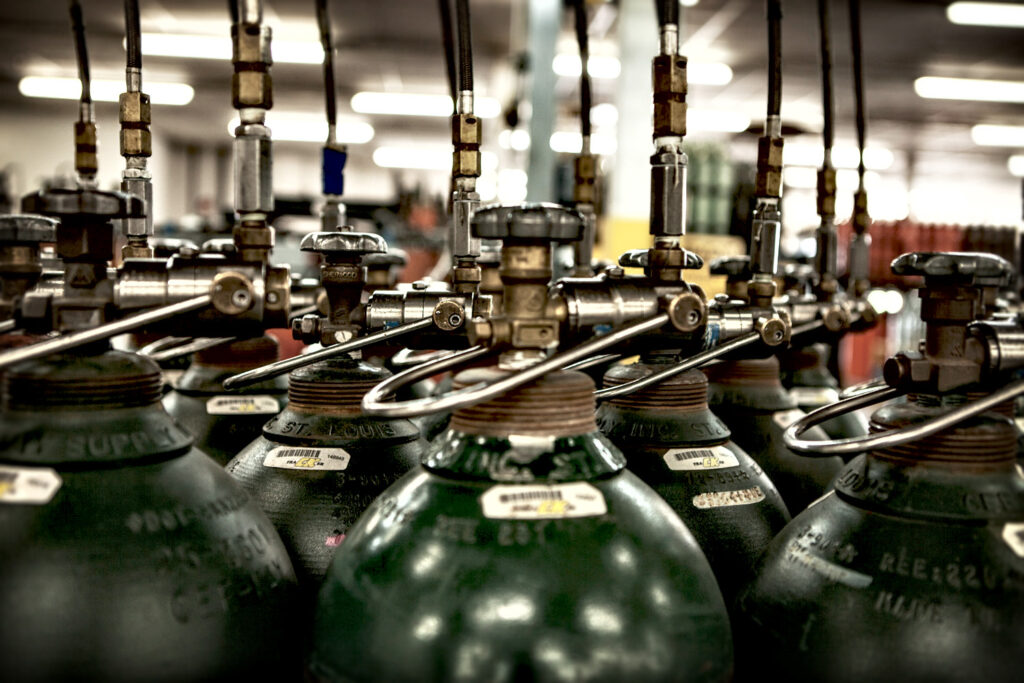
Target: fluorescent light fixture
(998, 136)
(712, 121)
(288, 127)
(987, 14)
(102, 91)
(843, 156)
(1016, 165)
(425, 158)
(688, 3)
(567, 142)
(518, 139)
(800, 177)
(193, 46)
(604, 114)
(933, 87)
(416, 104)
(697, 73)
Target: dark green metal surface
(733, 536)
(313, 509)
(427, 588)
(750, 412)
(805, 375)
(149, 563)
(909, 571)
(219, 436)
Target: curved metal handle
(8, 326)
(596, 361)
(282, 366)
(197, 344)
(374, 402)
(408, 358)
(892, 437)
(858, 389)
(66, 342)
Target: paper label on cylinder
(307, 458)
(28, 485)
(1013, 534)
(695, 459)
(541, 501)
(784, 418)
(243, 405)
(813, 396)
(721, 499)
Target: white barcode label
(539, 501)
(784, 418)
(307, 458)
(813, 396)
(692, 459)
(243, 405)
(28, 485)
(721, 499)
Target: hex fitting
(768, 182)
(668, 74)
(466, 139)
(687, 312)
(86, 158)
(231, 293)
(773, 330)
(251, 84)
(135, 117)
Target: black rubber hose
(828, 103)
(81, 54)
(668, 12)
(133, 34)
(465, 46)
(858, 83)
(233, 10)
(580, 9)
(774, 57)
(323, 20)
(448, 42)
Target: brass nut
(769, 152)
(835, 318)
(669, 118)
(479, 331)
(687, 312)
(136, 251)
(306, 328)
(471, 274)
(249, 45)
(534, 334)
(231, 293)
(449, 315)
(134, 107)
(773, 331)
(466, 130)
(764, 289)
(586, 167)
(669, 74)
(252, 89)
(136, 142)
(253, 237)
(466, 163)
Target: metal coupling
(773, 330)
(254, 189)
(826, 192)
(449, 315)
(765, 233)
(1003, 341)
(861, 219)
(136, 181)
(669, 80)
(231, 293)
(668, 194)
(251, 84)
(86, 161)
(466, 139)
(135, 117)
(461, 240)
(585, 172)
(769, 166)
(687, 312)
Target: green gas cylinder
(125, 553)
(522, 549)
(678, 447)
(749, 397)
(320, 463)
(223, 422)
(811, 385)
(911, 570)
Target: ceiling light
(415, 104)
(517, 139)
(103, 91)
(688, 3)
(712, 121)
(932, 87)
(567, 142)
(697, 73)
(288, 127)
(425, 158)
(1016, 165)
(998, 136)
(987, 14)
(219, 47)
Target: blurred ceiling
(394, 45)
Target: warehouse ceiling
(393, 45)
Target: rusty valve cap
(343, 244)
(533, 222)
(27, 229)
